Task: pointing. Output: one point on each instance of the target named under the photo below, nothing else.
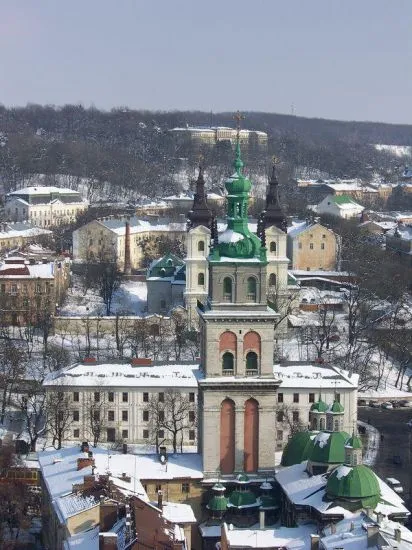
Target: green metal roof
(241, 498)
(354, 441)
(242, 478)
(218, 503)
(353, 483)
(343, 199)
(319, 407)
(329, 448)
(336, 408)
(297, 448)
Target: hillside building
(166, 282)
(399, 242)
(311, 247)
(44, 206)
(20, 234)
(341, 206)
(213, 134)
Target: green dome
(319, 407)
(329, 448)
(357, 483)
(297, 448)
(242, 478)
(354, 442)
(336, 408)
(241, 498)
(237, 183)
(218, 503)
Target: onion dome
(329, 448)
(354, 442)
(238, 183)
(336, 408)
(218, 503)
(297, 448)
(319, 407)
(357, 487)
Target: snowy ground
(130, 299)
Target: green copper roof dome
(319, 407)
(238, 183)
(357, 483)
(218, 503)
(354, 442)
(336, 408)
(329, 448)
(242, 498)
(297, 448)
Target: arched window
(251, 289)
(322, 424)
(201, 246)
(163, 272)
(251, 436)
(201, 279)
(314, 423)
(227, 289)
(251, 361)
(336, 425)
(272, 246)
(227, 436)
(227, 361)
(154, 330)
(272, 279)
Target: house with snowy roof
(311, 246)
(44, 206)
(19, 234)
(166, 282)
(399, 242)
(341, 206)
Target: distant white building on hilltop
(213, 134)
(341, 206)
(44, 206)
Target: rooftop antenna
(211, 118)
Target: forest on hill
(135, 152)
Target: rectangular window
(125, 397)
(322, 246)
(279, 435)
(145, 416)
(185, 487)
(125, 434)
(158, 488)
(111, 435)
(295, 416)
(145, 397)
(161, 434)
(76, 416)
(96, 416)
(280, 416)
(337, 397)
(300, 245)
(96, 396)
(76, 433)
(192, 435)
(161, 416)
(75, 396)
(125, 416)
(280, 397)
(145, 434)
(311, 398)
(161, 397)
(110, 416)
(110, 396)
(296, 398)
(311, 246)
(192, 416)
(191, 397)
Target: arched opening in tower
(251, 436)
(227, 437)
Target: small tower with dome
(334, 416)
(317, 414)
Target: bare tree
(59, 415)
(33, 407)
(12, 370)
(95, 412)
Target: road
(397, 440)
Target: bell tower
(237, 343)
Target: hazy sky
(344, 59)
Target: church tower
(197, 244)
(273, 220)
(237, 393)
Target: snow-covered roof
(118, 226)
(402, 231)
(314, 376)
(71, 505)
(350, 187)
(28, 271)
(44, 190)
(178, 513)
(292, 538)
(21, 229)
(126, 375)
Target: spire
(200, 213)
(273, 214)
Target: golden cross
(238, 117)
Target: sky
(340, 59)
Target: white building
(121, 395)
(44, 206)
(339, 205)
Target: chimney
(107, 541)
(160, 500)
(372, 531)
(108, 515)
(84, 447)
(140, 362)
(333, 529)
(124, 448)
(314, 542)
(127, 261)
(84, 462)
(398, 535)
(261, 519)
(352, 526)
(88, 360)
(379, 518)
